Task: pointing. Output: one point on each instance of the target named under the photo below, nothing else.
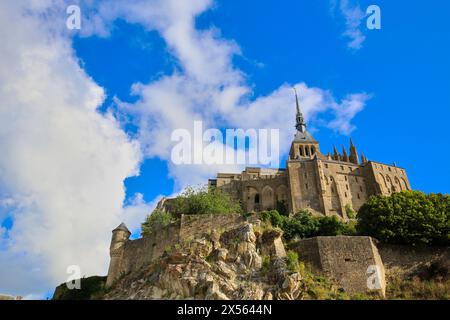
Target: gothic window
(313, 150)
(358, 196)
(257, 198)
(301, 150)
(307, 150)
(306, 186)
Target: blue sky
(404, 66)
(86, 115)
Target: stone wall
(131, 255)
(406, 258)
(350, 261)
(195, 226)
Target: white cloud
(353, 16)
(210, 88)
(62, 163)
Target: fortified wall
(130, 255)
(353, 262)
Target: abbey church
(327, 184)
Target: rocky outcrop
(241, 263)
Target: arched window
(257, 198)
(313, 150)
(307, 150)
(301, 150)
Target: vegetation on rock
(305, 225)
(204, 201)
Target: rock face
(240, 263)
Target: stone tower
(327, 184)
(304, 145)
(120, 236)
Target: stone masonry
(326, 184)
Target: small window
(326, 165)
(342, 168)
(346, 186)
(345, 178)
(358, 196)
(345, 194)
(257, 198)
(350, 169)
(356, 179)
(360, 188)
(306, 186)
(389, 168)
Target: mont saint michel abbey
(327, 184)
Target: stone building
(327, 184)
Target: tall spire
(336, 154)
(353, 153)
(344, 155)
(300, 121)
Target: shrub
(305, 225)
(293, 263)
(351, 214)
(407, 217)
(154, 221)
(204, 201)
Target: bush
(204, 201)
(351, 214)
(155, 221)
(293, 263)
(305, 225)
(407, 217)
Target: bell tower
(304, 145)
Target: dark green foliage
(154, 221)
(305, 225)
(407, 217)
(90, 288)
(282, 207)
(204, 201)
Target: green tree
(204, 201)
(408, 217)
(154, 221)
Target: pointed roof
(302, 134)
(122, 227)
(344, 154)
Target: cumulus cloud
(209, 87)
(353, 16)
(62, 163)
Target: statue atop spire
(300, 121)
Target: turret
(120, 236)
